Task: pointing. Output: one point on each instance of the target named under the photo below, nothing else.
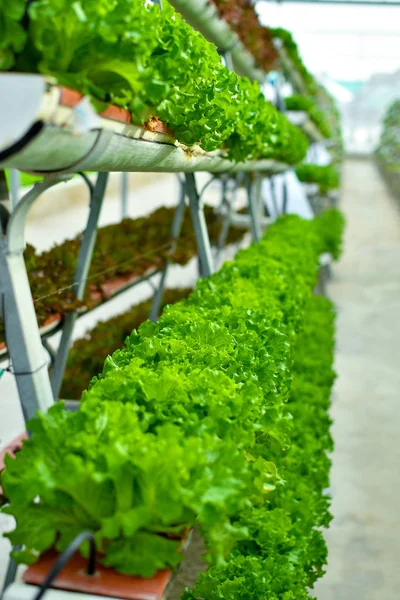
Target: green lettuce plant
(326, 177)
(87, 354)
(302, 103)
(186, 424)
(152, 62)
(331, 225)
(284, 553)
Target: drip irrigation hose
(65, 556)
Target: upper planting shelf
(204, 17)
(289, 69)
(302, 120)
(58, 131)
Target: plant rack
(302, 120)
(289, 69)
(57, 134)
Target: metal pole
(10, 573)
(124, 195)
(82, 270)
(175, 232)
(15, 186)
(27, 355)
(285, 196)
(227, 220)
(228, 203)
(200, 227)
(253, 196)
(273, 196)
(227, 56)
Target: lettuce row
(185, 424)
(314, 90)
(388, 151)
(326, 176)
(302, 103)
(285, 552)
(293, 51)
(150, 62)
(86, 356)
(331, 226)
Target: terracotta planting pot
(71, 98)
(105, 581)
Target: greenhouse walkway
(364, 539)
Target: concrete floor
(364, 538)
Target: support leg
(200, 227)
(82, 270)
(273, 196)
(124, 195)
(11, 572)
(28, 359)
(253, 196)
(285, 196)
(225, 203)
(175, 232)
(15, 186)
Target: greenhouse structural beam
(81, 274)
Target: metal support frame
(285, 199)
(15, 186)
(175, 232)
(254, 197)
(227, 205)
(277, 84)
(82, 270)
(28, 360)
(273, 197)
(124, 195)
(11, 572)
(200, 227)
(227, 57)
